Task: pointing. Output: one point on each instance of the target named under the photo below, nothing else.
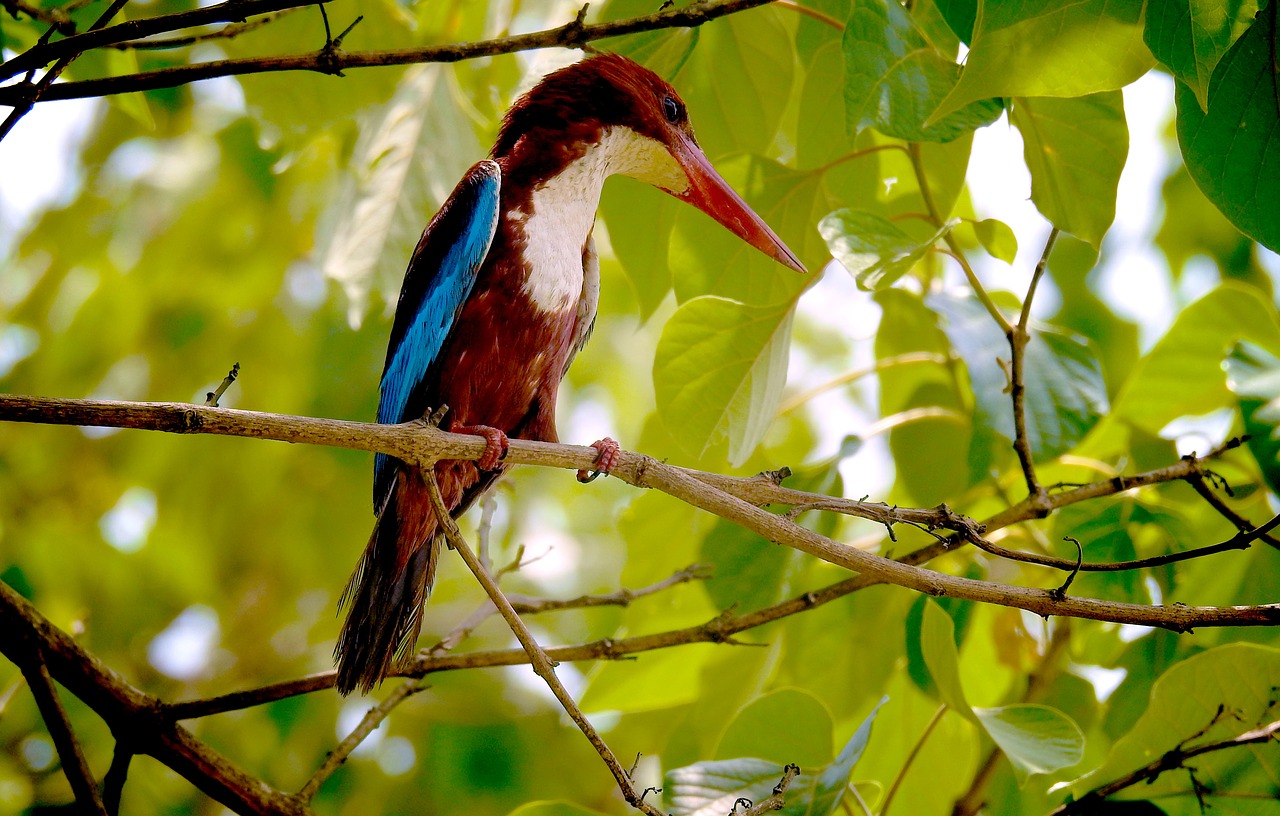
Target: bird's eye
(673, 109)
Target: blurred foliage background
(266, 220)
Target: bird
(499, 296)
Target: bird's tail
(387, 591)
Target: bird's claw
(495, 443)
(608, 450)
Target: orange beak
(713, 195)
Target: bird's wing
(588, 302)
(441, 273)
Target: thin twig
(227, 32)
(1240, 541)
(775, 800)
(370, 721)
(1198, 483)
(211, 399)
(542, 665)
(1018, 337)
(796, 400)
(232, 11)
(936, 216)
(911, 758)
(29, 94)
(117, 774)
(573, 34)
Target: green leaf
(938, 645)
(1037, 739)
(1057, 48)
(718, 373)
(1182, 374)
(121, 62)
(1075, 150)
(640, 219)
(1193, 226)
(894, 79)
(664, 52)
(1232, 148)
(1191, 36)
(1227, 690)
(873, 249)
(788, 725)
(1253, 375)
(738, 81)
(960, 16)
(410, 154)
(747, 570)
(707, 259)
(997, 238)
(712, 788)
(1065, 394)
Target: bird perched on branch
(499, 296)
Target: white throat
(562, 211)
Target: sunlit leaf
(873, 249)
(1064, 395)
(719, 372)
(1075, 149)
(1191, 36)
(938, 645)
(788, 725)
(997, 238)
(1182, 374)
(1035, 738)
(746, 569)
(410, 155)
(894, 79)
(1051, 48)
(713, 788)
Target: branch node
(1060, 594)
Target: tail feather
(388, 589)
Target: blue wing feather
(439, 280)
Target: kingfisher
(500, 295)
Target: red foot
(604, 462)
(495, 443)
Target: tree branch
(232, 11)
(417, 442)
(573, 34)
(1170, 760)
(55, 719)
(127, 710)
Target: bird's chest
(553, 226)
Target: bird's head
(611, 97)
